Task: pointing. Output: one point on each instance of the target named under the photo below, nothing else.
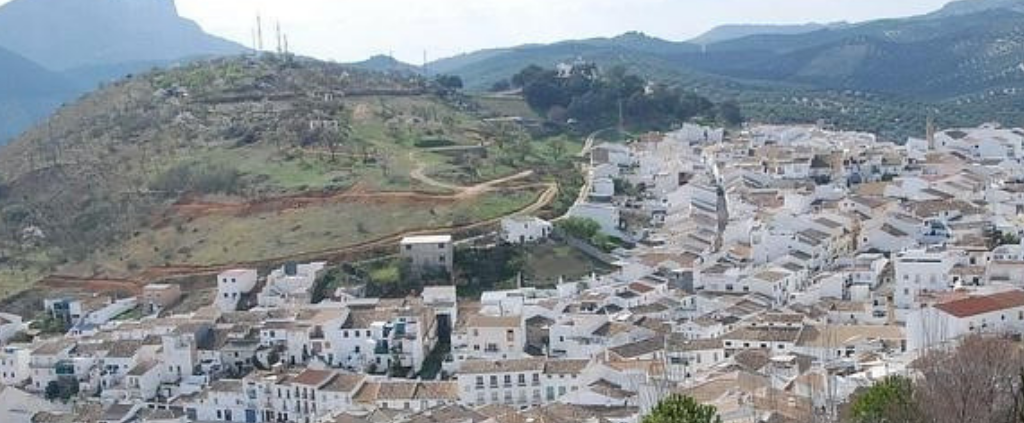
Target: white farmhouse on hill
(524, 229)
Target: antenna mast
(426, 71)
(279, 43)
(259, 33)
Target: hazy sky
(349, 30)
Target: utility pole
(622, 120)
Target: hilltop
(256, 160)
(736, 31)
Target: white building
(918, 272)
(232, 285)
(999, 313)
(429, 253)
(524, 229)
(490, 337)
(14, 364)
(291, 284)
(519, 383)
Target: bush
(203, 179)
(681, 409)
(434, 143)
(578, 227)
(62, 389)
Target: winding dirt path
(347, 253)
(419, 173)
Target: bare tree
(975, 383)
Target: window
(344, 334)
(522, 380)
(440, 246)
(357, 349)
(494, 381)
(480, 381)
(508, 380)
(510, 335)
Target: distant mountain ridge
(27, 92)
(968, 7)
(966, 60)
(64, 34)
(55, 50)
(733, 32)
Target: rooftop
(428, 239)
(974, 306)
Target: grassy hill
(238, 161)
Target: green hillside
(245, 160)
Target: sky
(352, 30)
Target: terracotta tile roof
(503, 366)
(640, 287)
(313, 377)
(568, 367)
(974, 306)
(344, 382)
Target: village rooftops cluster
(771, 273)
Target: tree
(729, 113)
(62, 389)
(450, 83)
(501, 86)
(579, 227)
(682, 409)
(558, 149)
(341, 135)
(526, 76)
(889, 401)
(974, 383)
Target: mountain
(387, 64)
(928, 59)
(68, 47)
(28, 92)
(969, 7)
(636, 51)
(733, 32)
(965, 62)
(65, 34)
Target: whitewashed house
(519, 230)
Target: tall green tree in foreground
(889, 401)
(682, 409)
